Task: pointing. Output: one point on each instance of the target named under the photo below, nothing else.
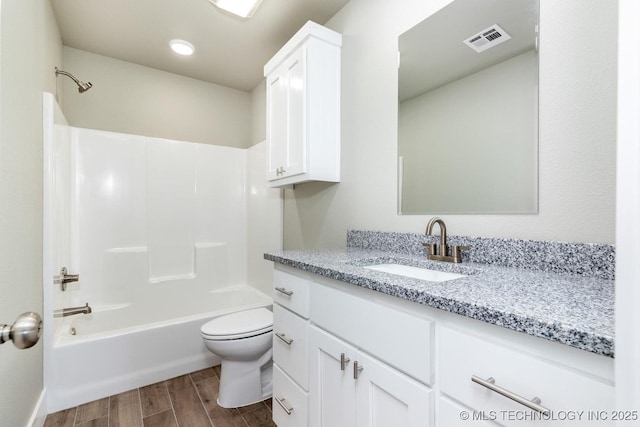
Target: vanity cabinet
(418, 363)
(303, 108)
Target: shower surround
(164, 236)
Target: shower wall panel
(171, 209)
(148, 213)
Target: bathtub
(125, 346)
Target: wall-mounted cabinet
(303, 108)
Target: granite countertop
(567, 308)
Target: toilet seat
(243, 324)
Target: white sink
(416, 272)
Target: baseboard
(39, 414)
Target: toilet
(243, 341)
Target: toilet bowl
(243, 341)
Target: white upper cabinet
(303, 108)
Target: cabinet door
(331, 389)
(386, 397)
(286, 109)
(276, 122)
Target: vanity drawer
(290, 402)
(402, 340)
(453, 414)
(560, 388)
(291, 344)
(291, 291)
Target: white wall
(139, 100)
(30, 48)
(577, 131)
(259, 113)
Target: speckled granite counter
(572, 309)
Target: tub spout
(64, 312)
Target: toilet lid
(241, 323)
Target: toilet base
(243, 383)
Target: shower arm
(82, 86)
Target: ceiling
(230, 51)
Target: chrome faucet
(443, 253)
(64, 312)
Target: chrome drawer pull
(344, 361)
(284, 291)
(356, 370)
(280, 401)
(282, 336)
(490, 383)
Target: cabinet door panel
(296, 141)
(276, 123)
(386, 397)
(331, 390)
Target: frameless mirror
(468, 110)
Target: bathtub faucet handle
(65, 278)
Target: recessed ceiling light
(182, 47)
(242, 8)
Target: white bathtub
(121, 347)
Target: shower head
(82, 86)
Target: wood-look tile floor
(185, 401)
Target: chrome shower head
(82, 86)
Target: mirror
(468, 113)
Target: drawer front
(291, 345)
(399, 339)
(290, 402)
(292, 292)
(453, 414)
(562, 390)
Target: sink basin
(416, 272)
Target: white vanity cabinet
(418, 362)
(303, 108)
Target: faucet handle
(431, 246)
(455, 251)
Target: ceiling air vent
(485, 39)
